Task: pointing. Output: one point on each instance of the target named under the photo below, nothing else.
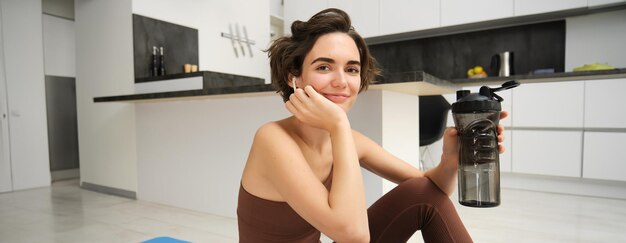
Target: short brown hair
(287, 53)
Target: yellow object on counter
(476, 72)
(594, 66)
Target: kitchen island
(191, 145)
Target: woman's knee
(423, 189)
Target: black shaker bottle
(476, 116)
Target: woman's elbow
(354, 234)
(361, 238)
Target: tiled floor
(66, 213)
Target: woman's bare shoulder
(275, 131)
(273, 138)
(272, 142)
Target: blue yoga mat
(165, 239)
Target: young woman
(303, 172)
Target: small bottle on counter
(154, 66)
(162, 64)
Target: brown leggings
(416, 204)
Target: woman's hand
(503, 115)
(313, 109)
(445, 173)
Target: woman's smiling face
(333, 69)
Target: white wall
(365, 117)
(276, 8)
(24, 71)
(596, 38)
(211, 18)
(59, 46)
(400, 126)
(191, 153)
(59, 8)
(104, 66)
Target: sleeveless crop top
(263, 221)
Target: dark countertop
(170, 76)
(241, 90)
(552, 77)
(210, 79)
(213, 83)
(415, 82)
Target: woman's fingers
(311, 92)
(450, 141)
(314, 109)
(503, 114)
(302, 96)
(302, 107)
(291, 108)
(296, 102)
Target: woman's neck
(316, 138)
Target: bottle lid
(485, 100)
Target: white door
(5, 162)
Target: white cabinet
(595, 38)
(455, 12)
(558, 104)
(364, 14)
(301, 10)
(605, 103)
(554, 153)
(604, 156)
(594, 3)
(526, 7)
(398, 16)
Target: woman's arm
(379, 161)
(341, 213)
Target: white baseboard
(108, 190)
(565, 185)
(58, 175)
